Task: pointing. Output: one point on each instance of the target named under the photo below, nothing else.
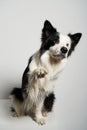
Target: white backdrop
(21, 22)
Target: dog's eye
(54, 41)
(67, 44)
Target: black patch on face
(74, 41)
(17, 92)
(49, 101)
(50, 37)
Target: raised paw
(40, 73)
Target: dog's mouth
(59, 56)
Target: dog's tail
(17, 93)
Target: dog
(36, 96)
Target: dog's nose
(64, 50)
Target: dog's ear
(47, 30)
(75, 37)
(74, 41)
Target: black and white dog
(36, 96)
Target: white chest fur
(53, 69)
(53, 72)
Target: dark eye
(54, 41)
(67, 44)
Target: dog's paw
(45, 113)
(40, 73)
(14, 114)
(40, 121)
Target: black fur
(47, 30)
(12, 109)
(30, 60)
(20, 93)
(75, 39)
(49, 101)
(17, 92)
(25, 74)
(25, 77)
(49, 37)
(46, 47)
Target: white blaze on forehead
(64, 39)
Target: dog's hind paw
(14, 114)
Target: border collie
(36, 95)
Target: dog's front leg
(38, 114)
(33, 80)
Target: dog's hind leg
(48, 104)
(17, 102)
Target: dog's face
(59, 46)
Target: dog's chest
(53, 69)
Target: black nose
(64, 50)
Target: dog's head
(59, 46)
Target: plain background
(21, 22)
